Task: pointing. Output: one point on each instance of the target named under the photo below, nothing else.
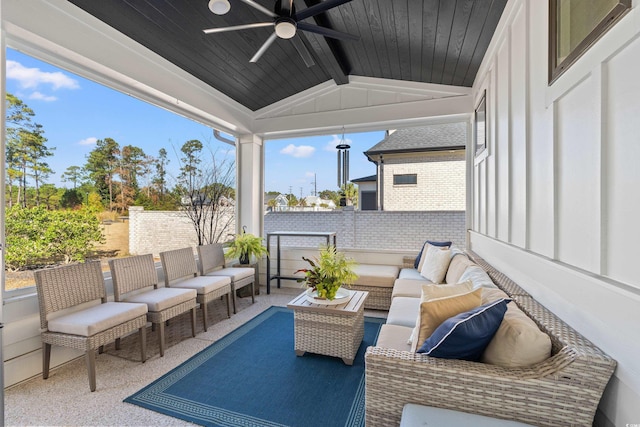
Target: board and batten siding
(555, 204)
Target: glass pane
(576, 19)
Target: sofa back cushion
(478, 276)
(518, 342)
(457, 266)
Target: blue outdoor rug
(252, 377)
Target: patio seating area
(55, 401)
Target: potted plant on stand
(328, 272)
(245, 247)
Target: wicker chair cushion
(408, 288)
(458, 265)
(394, 336)
(203, 284)
(414, 415)
(235, 273)
(96, 319)
(376, 275)
(162, 298)
(403, 311)
(435, 264)
(478, 276)
(466, 335)
(436, 311)
(411, 273)
(518, 342)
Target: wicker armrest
(408, 261)
(559, 391)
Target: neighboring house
(418, 169)
(318, 203)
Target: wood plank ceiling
(431, 41)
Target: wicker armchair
(61, 292)
(212, 264)
(181, 271)
(563, 390)
(135, 280)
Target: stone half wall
(371, 230)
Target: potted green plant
(328, 272)
(244, 246)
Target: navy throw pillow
(432, 243)
(466, 335)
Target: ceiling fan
(286, 22)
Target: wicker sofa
(564, 389)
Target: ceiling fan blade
(286, 6)
(327, 32)
(264, 47)
(261, 8)
(237, 27)
(319, 8)
(303, 51)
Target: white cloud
(298, 150)
(310, 174)
(42, 97)
(335, 140)
(88, 141)
(31, 78)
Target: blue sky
(76, 112)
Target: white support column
(3, 115)
(250, 184)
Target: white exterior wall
(555, 204)
(441, 182)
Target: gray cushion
(403, 311)
(394, 336)
(478, 277)
(411, 273)
(163, 298)
(96, 319)
(376, 275)
(419, 416)
(408, 288)
(203, 284)
(236, 274)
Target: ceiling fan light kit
(285, 28)
(219, 7)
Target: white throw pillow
(478, 276)
(435, 264)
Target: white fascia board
(438, 90)
(378, 117)
(60, 33)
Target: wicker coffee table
(330, 330)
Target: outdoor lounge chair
(135, 280)
(212, 265)
(68, 320)
(181, 271)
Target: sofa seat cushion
(163, 298)
(395, 337)
(414, 415)
(235, 273)
(376, 275)
(203, 284)
(403, 311)
(96, 319)
(408, 288)
(411, 273)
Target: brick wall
(157, 231)
(378, 230)
(440, 182)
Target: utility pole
(315, 184)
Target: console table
(328, 235)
